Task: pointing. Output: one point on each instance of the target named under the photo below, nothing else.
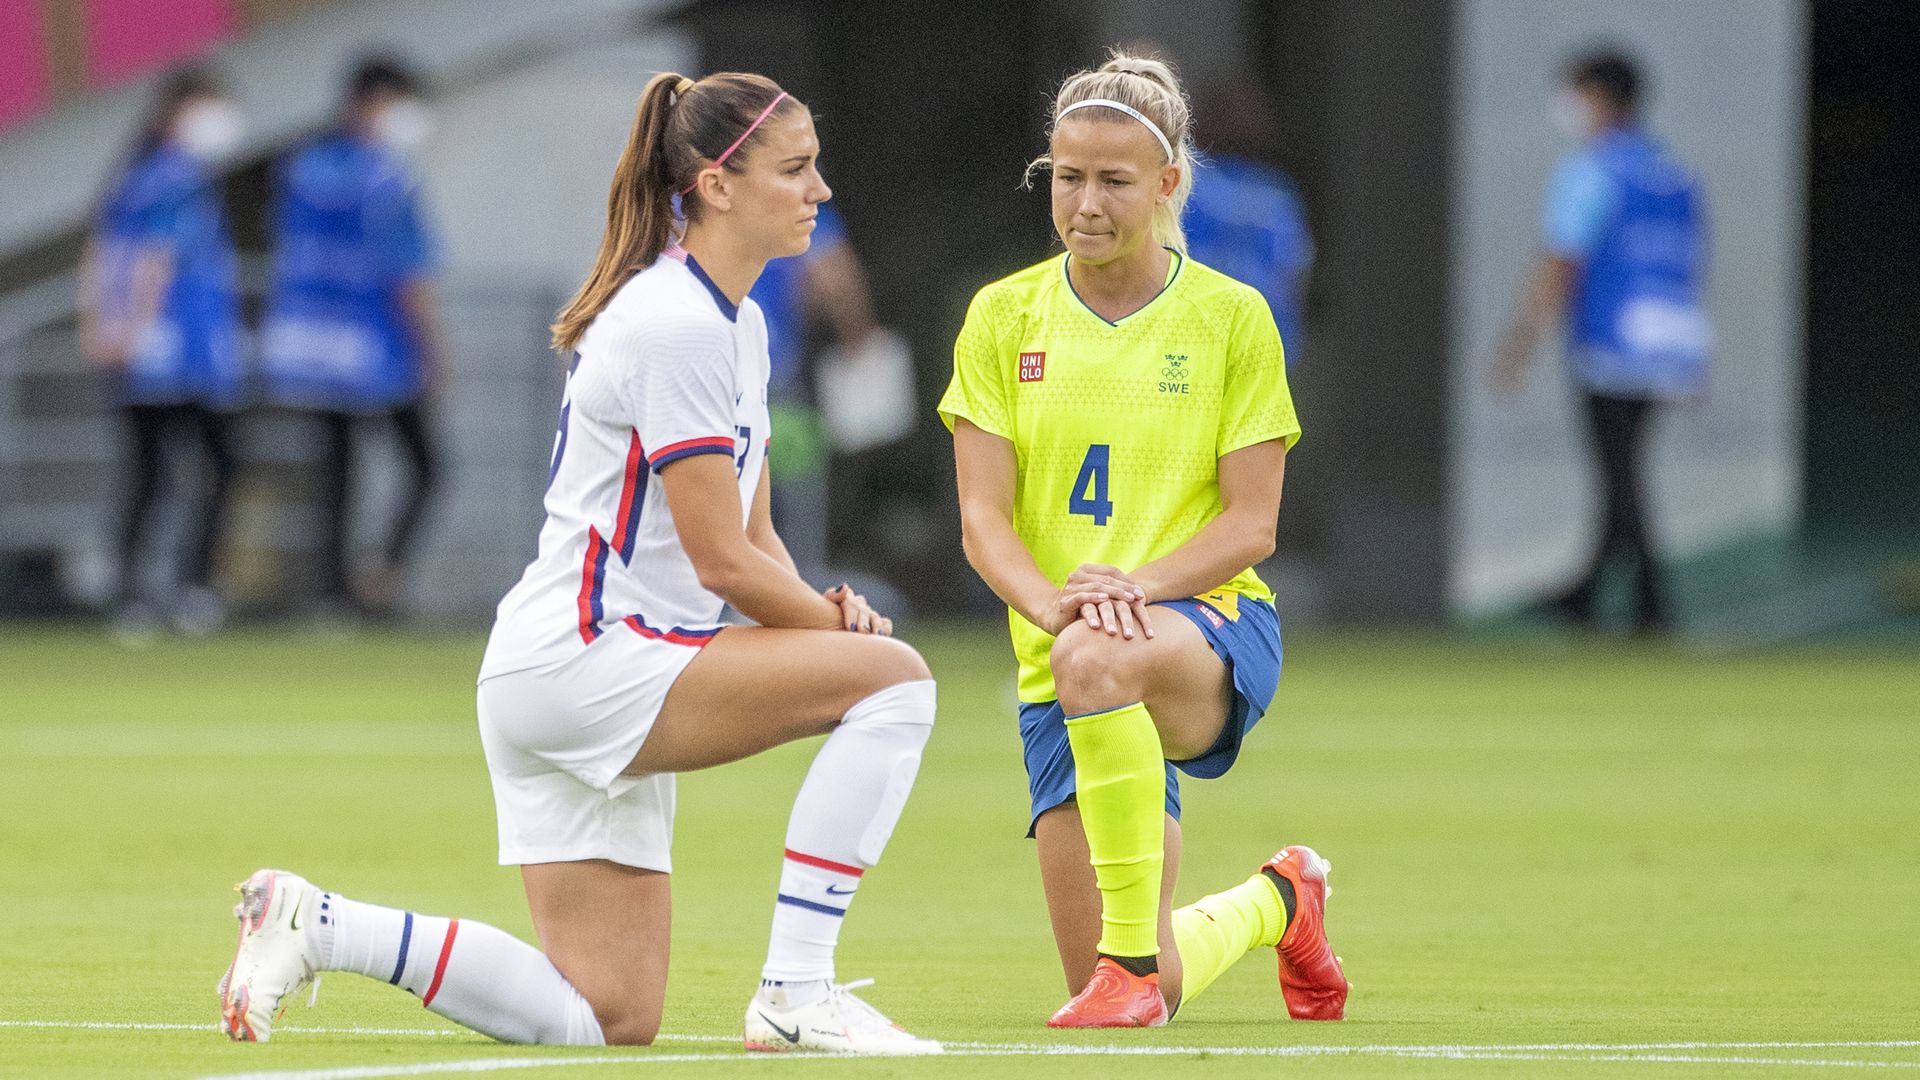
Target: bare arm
(420, 303)
(704, 496)
(987, 469)
(107, 338)
(760, 530)
(1242, 535)
(705, 500)
(1541, 306)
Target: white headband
(1158, 135)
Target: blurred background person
(853, 394)
(1623, 266)
(353, 330)
(159, 315)
(1245, 218)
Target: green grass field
(1550, 860)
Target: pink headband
(751, 128)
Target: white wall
(518, 169)
(1728, 91)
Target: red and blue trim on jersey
(679, 635)
(672, 452)
(626, 525)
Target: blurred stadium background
(1419, 136)
(1742, 822)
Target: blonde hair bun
(1146, 84)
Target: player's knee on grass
(625, 1023)
(1093, 670)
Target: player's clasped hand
(1105, 598)
(855, 613)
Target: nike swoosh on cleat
(833, 891)
(791, 1036)
(294, 922)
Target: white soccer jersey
(671, 368)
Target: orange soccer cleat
(1310, 976)
(1114, 997)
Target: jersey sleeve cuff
(950, 413)
(672, 452)
(1289, 436)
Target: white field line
(458, 1033)
(1660, 1052)
(1034, 1048)
(374, 1072)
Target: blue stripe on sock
(406, 935)
(824, 909)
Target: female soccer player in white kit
(608, 670)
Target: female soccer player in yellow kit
(1121, 421)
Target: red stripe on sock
(440, 969)
(825, 864)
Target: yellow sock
(1214, 932)
(1121, 789)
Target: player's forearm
(995, 552)
(761, 588)
(1227, 545)
(769, 543)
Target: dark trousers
(152, 432)
(420, 452)
(1617, 428)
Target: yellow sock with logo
(1121, 789)
(1214, 932)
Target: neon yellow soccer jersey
(1117, 427)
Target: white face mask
(1571, 116)
(403, 124)
(210, 130)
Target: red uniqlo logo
(1033, 366)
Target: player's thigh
(1184, 683)
(1073, 897)
(607, 928)
(753, 688)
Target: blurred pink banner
(24, 82)
(126, 38)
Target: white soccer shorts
(556, 739)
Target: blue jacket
(191, 351)
(350, 236)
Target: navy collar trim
(727, 307)
(1173, 275)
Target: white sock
(841, 821)
(468, 972)
(792, 995)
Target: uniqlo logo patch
(1033, 366)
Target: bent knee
(1088, 662)
(899, 662)
(628, 1026)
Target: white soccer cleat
(270, 965)
(839, 1023)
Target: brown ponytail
(679, 126)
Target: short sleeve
(978, 392)
(1580, 199)
(398, 234)
(680, 387)
(1255, 404)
